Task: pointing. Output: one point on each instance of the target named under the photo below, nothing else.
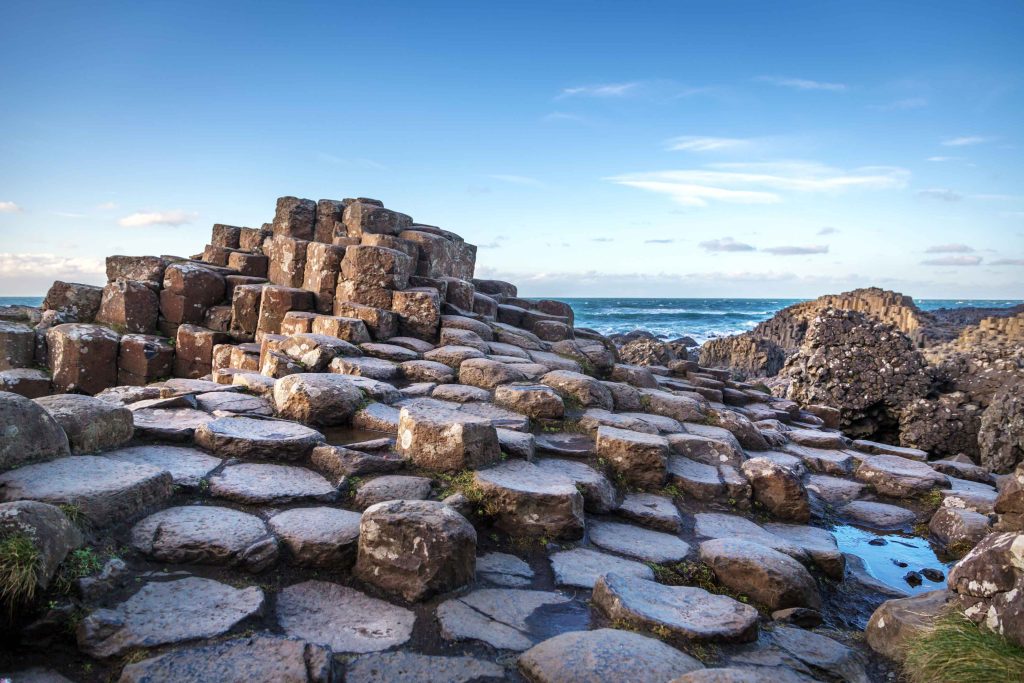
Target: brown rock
(276, 302)
(295, 218)
(287, 265)
(148, 269)
(79, 303)
(778, 489)
(323, 264)
(83, 358)
(193, 350)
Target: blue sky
(591, 149)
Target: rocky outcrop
(747, 354)
(867, 369)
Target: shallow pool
(890, 556)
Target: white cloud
(1007, 262)
(953, 261)
(901, 105)
(949, 249)
(696, 143)
(600, 90)
(564, 116)
(941, 194)
(10, 207)
(106, 206)
(759, 183)
(725, 244)
(797, 251)
(940, 159)
(517, 179)
(965, 140)
(141, 219)
(659, 241)
(802, 83)
(828, 231)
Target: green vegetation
(74, 514)
(19, 565)
(78, 563)
(699, 574)
(955, 650)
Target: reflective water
(890, 556)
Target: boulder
(897, 623)
(247, 437)
(533, 400)
(90, 424)
(47, 528)
(320, 399)
(319, 537)
(82, 358)
(640, 459)
(1001, 432)
(767, 576)
(579, 389)
(898, 477)
(529, 501)
(30, 433)
(17, 345)
(778, 489)
(958, 529)
(77, 302)
(989, 581)
(441, 439)
(129, 306)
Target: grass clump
(19, 566)
(77, 564)
(955, 650)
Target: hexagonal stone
(500, 617)
(168, 612)
(643, 544)
(488, 374)
(599, 496)
(639, 458)
(391, 487)
(441, 439)
(318, 536)
(701, 481)
(527, 500)
(877, 515)
(778, 489)
(410, 667)
(959, 529)
(579, 388)
(235, 403)
(105, 491)
(415, 548)
(582, 567)
(427, 371)
(875, 448)
(719, 525)
(206, 534)
(833, 490)
(29, 432)
(605, 655)
(374, 368)
(894, 476)
(706, 450)
(188, 466)
(261, 658)
(91, 424)
(766, 575)
(819, 544)
(320, 399)
(169, 424)
(688, 612)
(503, 569)
(533, 400)
(246, 437)
(342, 618)
(254, 484)
(656, 512)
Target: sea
(701, 319)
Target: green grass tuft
(955, 650)
(78, 563)
(19, 566)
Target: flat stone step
(166, 612)
(599, 495)
(653, 511)
(169, 424)
(206, 534)
(318, 536)
(898, 477)
(342, 618)
(255, 484)
(104, 490)
(236, 403)
(634, 541)
(391, 487)
(246, 437)
(819, 544)
(582, 567)
(833, 490)
(526, 500)
(767, 576)
(410, 667)
(688, 612)
(188, 466)
(719, 525)
(877, 515)
(500, 617)
(503, 569)
(567, 444)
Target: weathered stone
(374, 368)
(30, 433)
(168, 612)
(187, 466)
(113, 491)
(878, 515)
(582, 567)
(833, 490)
(527, 500)
(428, 371)
(170, 424)
(599, 495)
(533, 400)
(321, 537)
(27, 382)
(698, 480)
(78, 302)
(446, 440)
(958, 529)
(143, 358)
(643, 544)
(686, 612)
(898, 477)
(776, 488)
(50, 532)
(655, 512)
(500, 617)
(90, 424)
(392, 487)
(317, 399)
(718, 525)
(246, 437)
(766, 575)
(295, 217)
(875, 448)
(410, 667)
(201, 534)
(352, 330)
(898, 623)
(363, 217)
(579, 388)
(342, 618)
(148, 269)
(83, 358)
(604, 655)
(640, 459)
(785, 648)
(1001, 430)
(419, 312)
(706, 450)
(452, 355)
(504, 570)
(253, 484)
(819, 544)
(261, 658)
(287, 260)
(129, 306)
(17, 345)
(276, 302)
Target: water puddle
(890, 557)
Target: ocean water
(701, 319)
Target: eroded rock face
(415, 548)
(320, 399)
(50, 531)
(527, 500)
(897, 623)
(749, 355)
(646, 351)
(867, 369)
(989, 581)
(1001, 430)
(91, 424)
(29, 432)
(778, 489)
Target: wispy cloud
(16, 265)
(602, 239)
(901, 105)
(802, 83)
(493, 244)
(142, 219)
(828, 231)
(941, 194)
(10, 207)
(949, 249)
(759, 183)
(797, 251)
(696, 143)
(941, 159)
(106, 206)
(517, 179)
(965, 140)
(660, 241)
(564, 116)
(725, 244)
(1007, 262)
(953, 261)
(600, 90)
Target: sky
(672, 149)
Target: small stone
(319, 399)
(639, 458)
(320, 537)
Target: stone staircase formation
(323, 451)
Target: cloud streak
(949, 249)
(797, 251)
(965, 141)
(828, 231)
(601, 90)
(10, 207)
(696, 143)
(802, 83)
(726, 244)
(953, 261)
(142, 219)
(1007, 262)
(942, 194)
